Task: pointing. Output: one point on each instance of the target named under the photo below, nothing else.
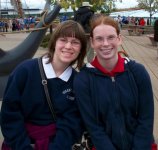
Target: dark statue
(25, 50)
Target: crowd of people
(82, 15)
(4, 26)
(134, 20)
(17, 24)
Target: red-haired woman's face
(105, 42)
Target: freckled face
(105, 42)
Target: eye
(75, 42)
(99, 39)
(62, 39)
(111, 38)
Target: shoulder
(82, 75)
(138, 70)
(81, 80)
(85, 73)
(136, 66)
(23, 73)
(26, 66)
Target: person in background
(1, 26)
(142, 23)
(114, 94)
(132, 20)
(14, 25)
(83, 15)
(156, 33)
(25, 114)
(148, 22)
(119, 20)
(136, 21)
(6, 26)
(153, 21)
(124, 20)
(64, 17)
(156, 30)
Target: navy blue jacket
(118, 111)
(25, 101)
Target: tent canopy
(134, 13)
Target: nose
(68, 44)
(105, 41)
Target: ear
(119, 39)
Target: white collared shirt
(50, 73)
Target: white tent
(141, 13)
(155, 15)
(134, 13)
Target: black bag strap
(44, 83)
(130, 62)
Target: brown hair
(103, 19)
(69, 28)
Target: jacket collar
(117, 69)
(50, 73)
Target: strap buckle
(44, 82)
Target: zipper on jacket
(121, 131)
(113, 79)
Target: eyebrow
(105, 36)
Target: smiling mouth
(67, 53)
(106, 50)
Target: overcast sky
(126, 4)
(41, 3)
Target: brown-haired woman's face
(105, 41)
(67, 49)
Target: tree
(104, 6)
(149, 5)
